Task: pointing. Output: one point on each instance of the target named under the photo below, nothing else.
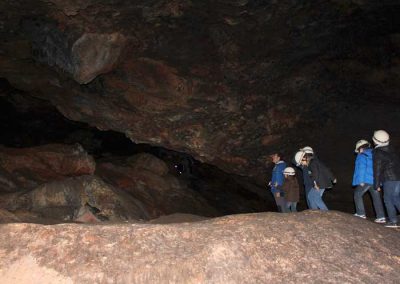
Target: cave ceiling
(227, 81)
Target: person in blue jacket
(363, 180)
(277, 181)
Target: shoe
(360, 216)
(392, 225)
(380, 220)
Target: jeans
(280, 203)
(307, 191)
(391, 196)
(315, 199)
(291, 206)
(376, 200)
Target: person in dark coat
(291, 189)
(387, 175)
(321, 178)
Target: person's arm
(314, 173)
(377, 169)
(363, 169)
(356, 174)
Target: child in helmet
(363, 179)
(387, 175)
(290, 189)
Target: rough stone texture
(146, 179)
(225, 81)
(72, 198)
(28, 167)
(310, 247)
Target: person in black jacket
(321, 177)
(387, 175)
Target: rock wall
(224, 81)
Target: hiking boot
(392, 225)
(360, 216)
(380, 220)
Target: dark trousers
(391, 196)
(376, 200)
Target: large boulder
(308, 247)
(145, 177)
(84, 198)
(26, 168)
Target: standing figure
(321, 178)
(387, 175)
(290, 189)
(277, 181)
(299, 160)
(363, 179)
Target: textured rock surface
(74, 199)
(147, 179)
(221, 80)
(28, 167)
(310, 247)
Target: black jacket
(321, 174)
(386, 165)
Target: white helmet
(289, 171)
(360, 143)
(307, 150)
(381, 138)
(298, 157)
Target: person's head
(307, 150)
(275, 157)
(289, 172)
(301, 158)
(361, 145)
(381, 138)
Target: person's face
(275, 158)
(304, 161)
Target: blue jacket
(363, 172)
(277, 176)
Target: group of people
(376, 169)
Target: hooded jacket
(386, 165)
(363, 170)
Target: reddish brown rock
(161, 193)
(94, 54)
(83, 198)
(28, 167)
(8, 217)
(224, 81)
(309, 247)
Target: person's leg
(321, 203)
(312, 196)
(358, 199)
(377, 202)
(293, 207)
(396, 196)
(389, 191)
(277, 202)
(282, 203)
(307, 191)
